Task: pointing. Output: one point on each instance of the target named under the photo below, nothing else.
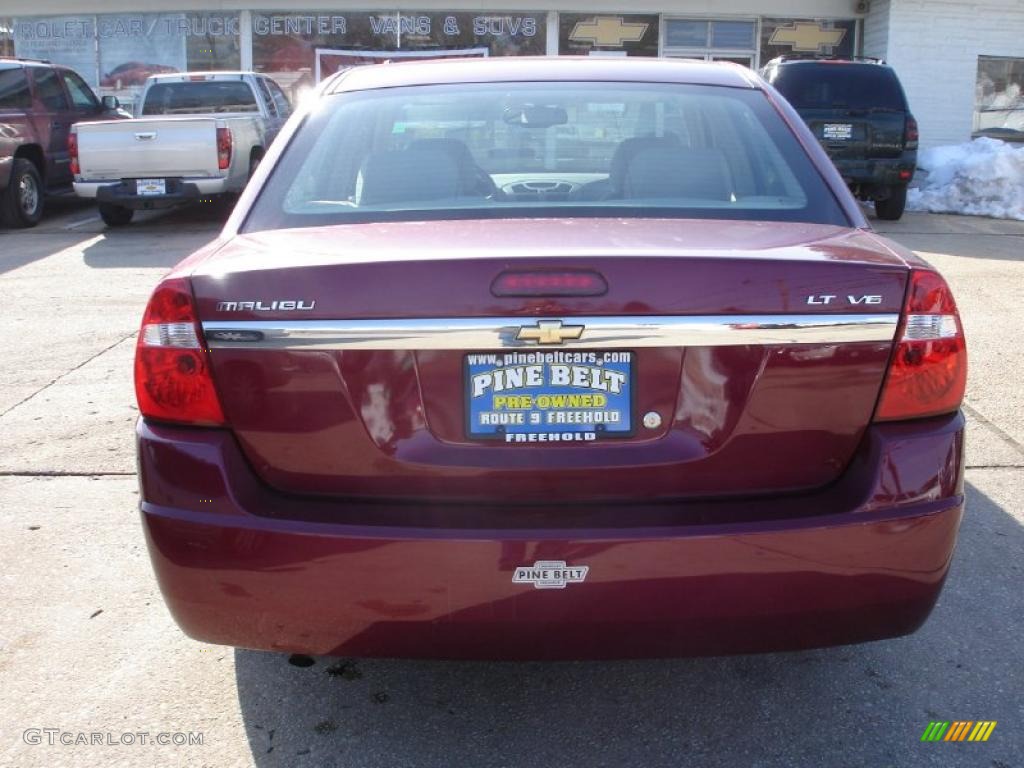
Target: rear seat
(678, 172)
(408, 175)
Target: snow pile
(984, 177)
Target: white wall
(934, 46)
(876, 30)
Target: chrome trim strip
(488, 333)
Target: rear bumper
(123, 193)
(881, 172)
(235, 570)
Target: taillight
(172, 368)
(223, 148)
(73, 153)
(928, 372)
(910, 134)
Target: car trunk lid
(754, 354)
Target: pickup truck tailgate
(164, 147)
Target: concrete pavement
(86, 644)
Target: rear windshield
(199, 97)
(840, 86)
(549, 149)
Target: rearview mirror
(111, 103)
(534, 116)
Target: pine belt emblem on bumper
(550, 574)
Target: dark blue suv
(859, 113)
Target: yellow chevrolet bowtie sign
(608, 31)
(807, 36)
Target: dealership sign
(299, 49)
(397, 25)
(142, 25)
(117, 52)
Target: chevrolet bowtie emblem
(807, 36)
(608, 31)
(549, 332)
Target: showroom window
(835, 38)
(116, 52)
(588, 34)
(712, 39)
(134, 46)
(998, 100)
(6, 37)
(213, 41)
(66, 40)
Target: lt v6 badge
(828, 298)
(550, 574)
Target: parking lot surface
(86, 645)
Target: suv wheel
(892, 207)
(21, 204)
(115, 215)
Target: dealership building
(960, 61)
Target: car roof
(822, 62)
(184, 76)
(541, 69)
(11, 63)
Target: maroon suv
(548, 358)
(39, 102)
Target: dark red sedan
(549, 359)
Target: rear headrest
(409, 175)
(666, 172)
(628, 149)
(457, 151)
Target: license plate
(150, 187)
(533, 397)
(837, 131)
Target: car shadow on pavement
(157, 243)
(20, 247)
(864, 705)
(966, 236)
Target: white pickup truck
(195, 136)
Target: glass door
(711, 40)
